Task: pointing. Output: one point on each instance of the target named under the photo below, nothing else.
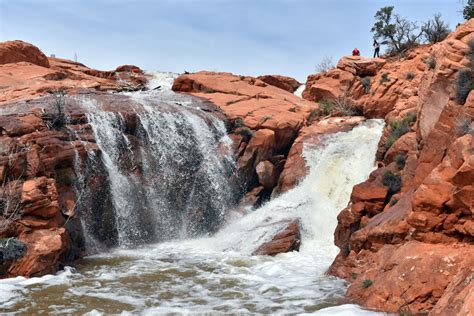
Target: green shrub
(239, 122)
(395, 31)
(312, 116)
(326, 107)
(470, 53)
(464, 84)
(11, 249)
(384, 78)
(431, 62)
(392, 182)
(468, 11)
(399, 128)
(435, 30)
(400, 160)
(342, 106)
(245, 131)
(366, 82)
(393, 202)
(409, 76)
(366, 283)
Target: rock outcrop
(286, 83)
(287, 239)
(407, 235)
(26, 73)
(39, 225)
(19, 51)
(38, 201)
(265, 121)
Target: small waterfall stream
(168, 180)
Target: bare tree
(397, 32)
(10, 191)
(59, 118)
(325, 65)
(435, 30)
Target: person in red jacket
(355, 52)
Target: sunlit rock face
(408, 228)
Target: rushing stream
(212, 274)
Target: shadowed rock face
(408, 228)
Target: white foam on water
(12, 289)
(346, 310)
(161, 79)
(299, 91)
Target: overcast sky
(249, 37)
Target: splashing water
(166, 179)
(217, 274)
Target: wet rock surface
(287, 239)
(265, 115)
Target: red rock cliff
(407, 235)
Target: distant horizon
(288, 37)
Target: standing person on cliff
(376, 46)
(355, 52)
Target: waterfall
(205, 275)
(343, 160)
(167, 165)
(299, 91)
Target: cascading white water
(299, 91)
(168, 167)
(345, 160)
(214, 274)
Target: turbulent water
(217, 274)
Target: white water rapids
(217, 274)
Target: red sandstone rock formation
(26, 73)
(407, 236)
(286, 240)
(19, 51)
(266, 121)
(286, 83)
(38, 207)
